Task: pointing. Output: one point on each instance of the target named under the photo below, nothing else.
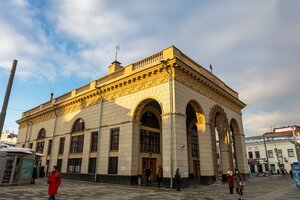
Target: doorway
(151, 164)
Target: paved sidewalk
(264, 188)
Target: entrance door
(196, 168)
(151, 164)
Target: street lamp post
(267, 158)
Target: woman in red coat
(54, 181)
(230, 180)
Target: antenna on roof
(117, 49)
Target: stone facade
(167, 110)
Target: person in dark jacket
(148, 174)
(54, 181)
(34, 174)
(177, 180)
(239, 183)
(291, 174)
(159, 175)
(230, 180)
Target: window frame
(49, 147)
(40, 145)
(94, 141)
(270, 155)
(78, 126)
(150, 141)
(61, 146)
(92, 165)
(76, 165)
(113, 165)
(76, 144)
(250, 153)
(291, 151)
(114, 139)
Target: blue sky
(254, 46)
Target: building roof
(284, 133)
(119, 77)
(259, 138)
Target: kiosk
(16, 165)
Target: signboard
(26, 169)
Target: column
(241, 154)
(207, 175)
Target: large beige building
(163, 110)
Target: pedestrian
(54, 181)
(297, 178)
(278, 173)
(159, 175)
(177, 180)
(291, 173)
(239, 183)
(282, 172)
(148, 174)
(285, 173)
(34, 174)
(230, 180)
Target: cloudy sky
(254, 46)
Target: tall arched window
(78, 126)
(77, 140)
(42, 134)
(149, 138)
(76, 146)
(41, 141)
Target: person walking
(177, 180)
(34, 174)
(148, 174)
(230, 180)
(54, 181)
(297, 178)
(159, 175)
(239, 183)
(291, 173)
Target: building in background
(282, 145)
(162, 110)
(8, 137)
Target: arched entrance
(148, 114)
(194, 121)
(222, 150)
(234, 130)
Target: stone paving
(265, 188)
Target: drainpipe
(164, 62)
(29, 126)
(54, 131)
(267, 157)
(98, 88)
